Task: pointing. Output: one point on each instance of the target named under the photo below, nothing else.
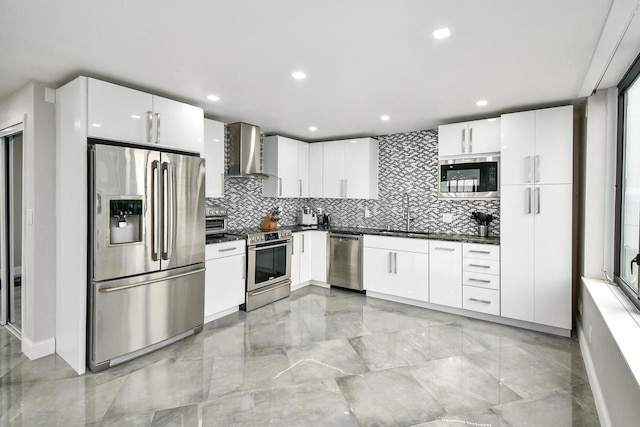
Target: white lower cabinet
(224, 283)
(397, 267)
(318, 255)
(301, 258)
(445, 273)
(481, 278)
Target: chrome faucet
(407, 210)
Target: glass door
(11, 215)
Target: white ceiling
(363, 58)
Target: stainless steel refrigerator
(146, 262)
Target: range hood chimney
(245, 151)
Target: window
(628, 184)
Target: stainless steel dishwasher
(345, 261)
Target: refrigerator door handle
(167, 202)
(155, 210)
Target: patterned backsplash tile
(408, 163)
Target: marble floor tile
(556, 409)
(525, 373)
(163, 385)
(336, 326)
(303, 405)
(324, 360)
(253, 370)
(385, 350)
(479, 418)
(181, 416)
(389, 398)
(320, 357)
(66, 402)
(460, 386)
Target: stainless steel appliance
(146, 265)
(268, 267)
(245, 151)
(306, 216)
(345, 261)
(470, 178)
(216, 220)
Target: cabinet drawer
(486, 266)
(220, 250)
(481, 280)
(397, 243)
(480, 251)
(480, 299)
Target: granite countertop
(465, 238)
(222, 238)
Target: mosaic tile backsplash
(407, 162)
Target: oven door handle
(263, 247)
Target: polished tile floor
(320, 358)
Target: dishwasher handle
(344, 236)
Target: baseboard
(475, 315)
(309, 283)
(36, 350)
(220, 314)
(598, 396)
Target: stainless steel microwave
(469, 178)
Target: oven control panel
(253, 239)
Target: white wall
(38, 329)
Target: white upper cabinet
(178, 125)
(118, 113)
(122, 114)
(350, 169)
(214, 157)
(315, 169)
(286, 161)
(469, 138)
(537, 147)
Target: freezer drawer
(131, 314)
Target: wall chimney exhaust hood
(245, 151)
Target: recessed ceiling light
(135, 116)
(216, 140)
(442, 33)
(313, 128)
(299, 75)
(213, 98)
(482, 103)
(384, 118)
(96, 125)
(491, 120)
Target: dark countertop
(222, 238)
(464, 238)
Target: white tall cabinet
(350, 169)
(536, 216)
(214, 157)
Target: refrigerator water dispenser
(125, 221)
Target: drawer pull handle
(479, 266)
(480, 252)
(226, 249)
(471, 279)
(480, 300)
(446, 249)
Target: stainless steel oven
(469, 178)
(216, 220)
(268, 267)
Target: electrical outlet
(447, 218)
(367, 213)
